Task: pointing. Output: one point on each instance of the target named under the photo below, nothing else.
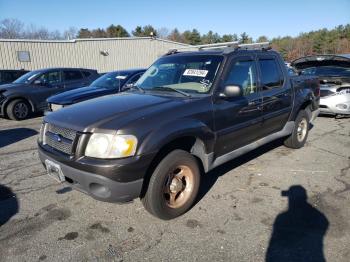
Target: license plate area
(54, 170)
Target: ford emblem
(57, 137)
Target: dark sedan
(28, 93)
(109, 83)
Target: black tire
(300, 131)
(164, 198)
(18, 109)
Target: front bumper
(99, 186)
(328, 105)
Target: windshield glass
(190, 74)
(327, 71)
(112, 80)
(27, 78)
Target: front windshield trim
(200, 81)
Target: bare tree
(11, 28)
(163, 32)
(71, 33)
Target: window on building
(23, 56)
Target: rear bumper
(97, 186)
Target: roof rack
(227, 46)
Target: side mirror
(38, 82)
(231, 91)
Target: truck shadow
(9, 205)
(10, 136)
(298, 232)
(208, 180)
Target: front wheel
(173, 186)
(18, 109)
(300, 131)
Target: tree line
(335, 41)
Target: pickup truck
(190, 112)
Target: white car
(334, 74)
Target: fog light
(342, 106)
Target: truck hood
(79, 95)
(94, 114)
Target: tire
(18, 109)
(300, 131)
(173, 186)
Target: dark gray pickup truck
(189, 113)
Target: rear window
(71, 75)
(271, 75)
(327, 71)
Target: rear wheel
(173, 186)
(18, 109)
(300, 131)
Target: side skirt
(287, 130)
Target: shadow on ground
(298, 232)
(10, 136)
(8, 204)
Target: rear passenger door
(276, 94)
(73, 79)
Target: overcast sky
(270, 17)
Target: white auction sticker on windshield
(195, 72)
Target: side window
(9, 76)
(72, 75)
(243, 74)
(271, 75)
(50, 78)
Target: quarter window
(243, 74)
(271, 75)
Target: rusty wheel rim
(178, 186)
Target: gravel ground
(245, 211)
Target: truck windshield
(327, 71)
(113, 80)
(27, 78)
(187, 74)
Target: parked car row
(29, 93)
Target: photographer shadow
(298, 232)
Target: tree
(71, 33)
(192, 37)
(245, 39)
(117, 31)
(262, 39)
(147, 30)
(163, 32)
(210, 38)
(229, 38)
(84, 33)
(175, 36)
(11, 28)
(99, 33)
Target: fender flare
(11, 98)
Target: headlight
(111, 146)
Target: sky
(271, 18)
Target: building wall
(123, 53)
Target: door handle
(252, 103)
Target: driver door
(49, 83)
(238, 119)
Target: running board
(287, 130)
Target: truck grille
(60, 138)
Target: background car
(109, 83)
(8, 75)
(334, 74)
(28, 93)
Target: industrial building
(103, 54)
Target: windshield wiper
(172, 89)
